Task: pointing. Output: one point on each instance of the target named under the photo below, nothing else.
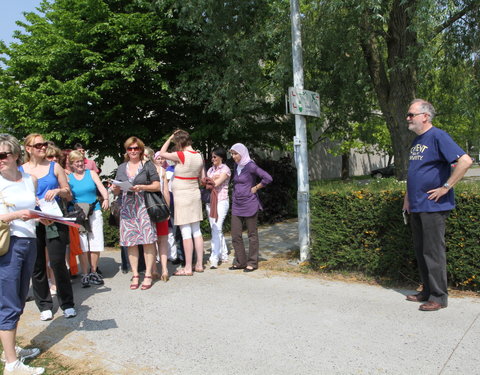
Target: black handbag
(76, 212)
(114, 217)
(156, 206)
(155, 203)
(205, 195)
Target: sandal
(232, 268)
(182, 272)
(199, 269)
(165, 277)
(132, 285)
(145, 287)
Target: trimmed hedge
(360, 228)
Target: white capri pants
(219, 245)
(190, 230)
(93, 241)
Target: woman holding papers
(84, 184)
(133, 178)
(52, 185)
(17, 196)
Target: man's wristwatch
(446, 185)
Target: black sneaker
(96, 279)
(85, 281)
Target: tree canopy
(98, 71)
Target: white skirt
(93, 241)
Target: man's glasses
(133, 148)
(410, 114)
(4, 155)
(39, 146)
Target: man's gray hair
(426, 107)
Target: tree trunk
(395, 89)
(346, 166)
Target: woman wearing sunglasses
(52, 185)
(17, 196)
(136, 228)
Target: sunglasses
(4, 155)
(39, 146)
(410, 114)
(133, 148)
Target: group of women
(136, 228)
(24, 187)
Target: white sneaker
(46, 315)
(23, 354)
(69, 313)
(22, 369)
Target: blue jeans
(16, 268)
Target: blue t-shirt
(84, 190)
(47, 182)
(431, 156)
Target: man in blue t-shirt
(429, 200)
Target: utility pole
(300, 139)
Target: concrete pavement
(230, 322)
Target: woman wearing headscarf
(186, 195)
(52, 185)
(136, 228)
(17, 197)
(245, 206)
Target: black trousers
(57, 248)
(241, 259)
(428, 230)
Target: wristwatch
(446, 185)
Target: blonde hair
(53, 151)
(148, 154)
(75, 155)
(131, 141)
(27, 142)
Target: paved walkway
(223, 322)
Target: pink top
(222, 189)
(90, 164)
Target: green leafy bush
(360, 228)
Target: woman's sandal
(199, 269)
(132, 285)
(165, 277)
(145, 287)
(181, 272)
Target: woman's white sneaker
(46, 315)
(19, 368)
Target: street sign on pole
(303, 102)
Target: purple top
(244, 203)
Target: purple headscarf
(240, 149)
